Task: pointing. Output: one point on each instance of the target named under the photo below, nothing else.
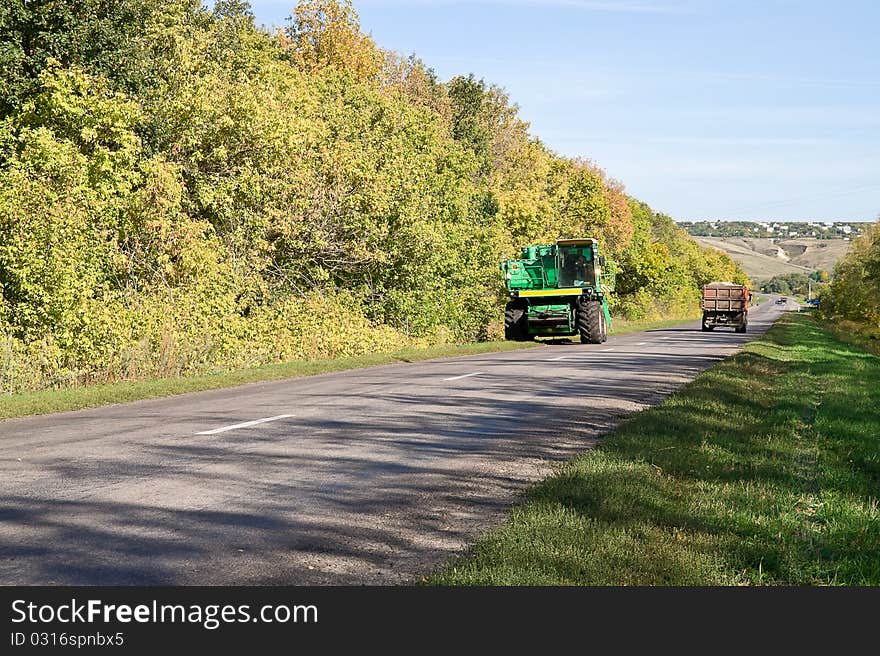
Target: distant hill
(763, 258)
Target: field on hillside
(764, 258)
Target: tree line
(790, 284)
(184, 191)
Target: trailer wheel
(589, 321)
(705, 327)
(515, 322)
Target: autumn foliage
(182, 191)
(855, 285)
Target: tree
(110, 38)
(326, 34)
(419, 83)
(855, 285)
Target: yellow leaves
(326, 34)
(856, 282)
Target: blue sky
(705, 109)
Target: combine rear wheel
(589, 322)
(515, 326)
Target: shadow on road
(374, 486)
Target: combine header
(561, 289)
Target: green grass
(858, 334)
(764, 470)
(59, 400)
(622, 326)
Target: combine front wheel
(589, 322)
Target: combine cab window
(576, 267)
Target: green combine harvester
(560, 289)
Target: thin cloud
(707, 141)
(617, 6)
(787, 80)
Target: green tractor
(561, 289)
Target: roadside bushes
(168, 337)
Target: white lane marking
(243, 425)
(561, 357)
(605, 350)
(641, 343)
(476, 373)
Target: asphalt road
(372, 476)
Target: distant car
(781, 301)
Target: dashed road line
(243, 425)
(476, 373)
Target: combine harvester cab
(561, 289)
(725, 305)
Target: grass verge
(77, 398)
(763, 470)
(46, 401)
(858, 334)
(622, 326)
